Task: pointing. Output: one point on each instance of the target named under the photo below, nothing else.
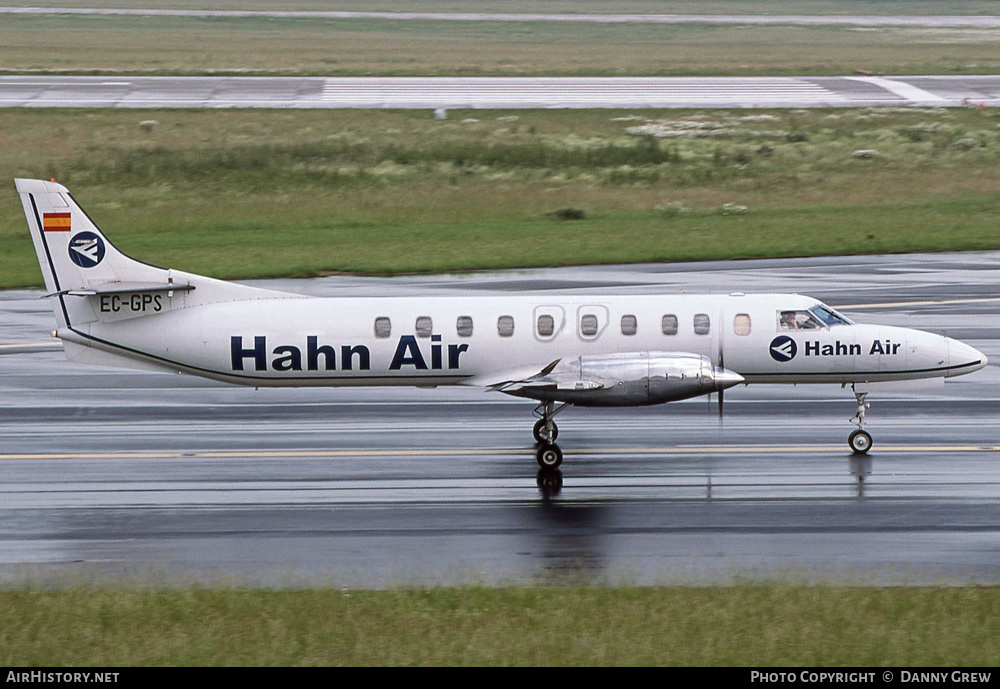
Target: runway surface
(497, 92)
(110, 473)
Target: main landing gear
(548, 454)
(860, 440)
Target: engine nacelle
(632, 379)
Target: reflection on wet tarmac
(131, 471)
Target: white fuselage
(297, 341)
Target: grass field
(291, 46)
(862, 7)
(833, 7)
(247, 193)
(742, 625)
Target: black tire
(548, 455)
(860, 442)
(539, 431)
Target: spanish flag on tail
(56, 222)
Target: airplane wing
(547, 380)
(624, 379)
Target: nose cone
(963, 358)
(724, 378)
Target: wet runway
(164, 476)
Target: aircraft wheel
(860, 442)
(549, 456)
(541, 432)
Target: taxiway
(497, 92)
(111, 473)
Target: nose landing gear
(860, 440)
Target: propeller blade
(722, 365)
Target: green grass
(904, 7)
(768, 625)
(91, 44)
(251, 193)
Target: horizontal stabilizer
(123, 288)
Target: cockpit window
(798, 320)
(828, 315)
(817, 318)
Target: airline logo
(55, 222)
(409, 356)
(783, 348)
(86, 249)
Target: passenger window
(464, 326)
(546, 325)
(741, 324)
(629, 325)
(424, 326)
(702, 324)
(588, 325)
(668, 324)
(383, 327)
(505, 326)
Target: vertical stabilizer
(72, 250)
(89, 279)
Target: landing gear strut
(860, 440)
(545, 430)
(548, 454)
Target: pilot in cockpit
(798, 320)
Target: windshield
(789, 319)
(828, 316)
(819, 317)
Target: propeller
(719, 392)
(722, 365)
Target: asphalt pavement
(114, 473)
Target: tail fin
(75, 256)
(78, 261)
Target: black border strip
(209, 373)
(869, 373)
(48, 257)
